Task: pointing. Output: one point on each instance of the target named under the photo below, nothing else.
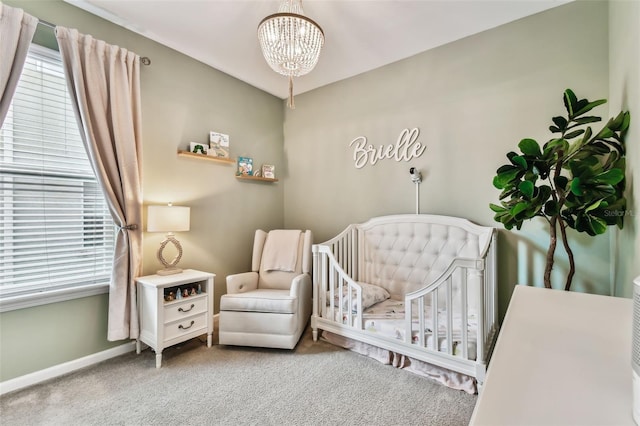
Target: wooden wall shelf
(259, 178)
(206, 157)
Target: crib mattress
(387, 319)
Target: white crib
(418, 262)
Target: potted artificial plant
(576, 180)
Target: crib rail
(461, 270)
(344, 249)
(335, 263)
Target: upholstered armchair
(271, 305)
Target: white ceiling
(360, 35)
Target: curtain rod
(143, 59)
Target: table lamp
(168, 219)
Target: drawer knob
(187, 327)
(182, 310)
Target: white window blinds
(56, 231)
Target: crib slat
(434, 321)
(332, 290)
(349, 301)
(464, 318)
(421, 325)
(348, 260)
(324, 280)
(353, 238)
(315, 283)
(489, 313)
(481, 323)
(449, 313)
(339, 285)
(408, 305)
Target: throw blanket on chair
(280, 251)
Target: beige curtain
(16, 32)
(104, 82)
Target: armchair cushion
(261, 300)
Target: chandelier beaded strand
(290, 42)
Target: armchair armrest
(300, 284)
(239, 283)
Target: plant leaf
(560, 122)
(569, 101)
(496, 208)
(502, 179)
(594, 206)
(561, 182)
(610, 177)
(575, 186)
(530, 147)
(625, 122)
(519, 161)
(518, 208)
(604, 133)
(585, 120)
(598, 225)
(551, 208)
(526, 187)
(574, 134)
(586, 106)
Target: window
(56, 233)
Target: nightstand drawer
(191, 306)
(185, 326)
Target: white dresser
(164, 322)
(562, 358)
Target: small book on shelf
(269, 171)
(218, 145)
(245, 166)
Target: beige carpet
(316, 384)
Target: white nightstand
(165, 323)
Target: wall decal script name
(405, 149)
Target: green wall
(473, 101)
(182, 100)
(624, 57)
(36, 338)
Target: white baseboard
(64, 368)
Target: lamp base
(169, 267)
(169, 271)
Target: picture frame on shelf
(198, 148)
(269, 171)
(245, 166)
(218, 144)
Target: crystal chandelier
(290, 42)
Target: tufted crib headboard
(403, 252)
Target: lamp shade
(168, 218)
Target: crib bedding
(445, 376)
(387, 319)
